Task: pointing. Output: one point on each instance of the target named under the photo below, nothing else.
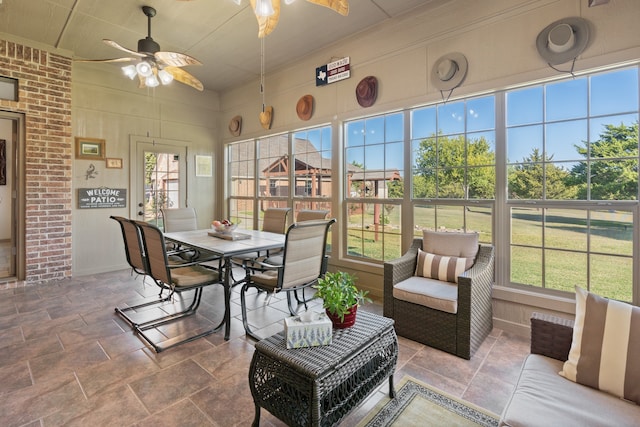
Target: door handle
(140, 213)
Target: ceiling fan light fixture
(130, 71)
(144, 69)
(288, 1)
(165, 77)
(264, 8)
(151, 81)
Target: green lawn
(563, 263)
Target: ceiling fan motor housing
(148, 45)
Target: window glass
(470, 219)
(312, 155)
(481, 114)
(241, 169)
(614, 92)
(423, 122)
(445, 164)
(524, 106)
(373, 231)
(557, 94)
(374, 168)
(576, 247)
(451, 118)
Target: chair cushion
(456, 244)
(440, 267)
(192, 275)
(430, 293)
(605, 346)
(266, 279)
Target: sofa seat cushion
(431, 293)
(544, 398)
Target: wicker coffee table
(318, 386)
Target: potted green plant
(340, 297)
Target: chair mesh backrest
(154, 247)
(182, 219)
(132, 244)
(304, 252)
(275, 220)
(310, 215)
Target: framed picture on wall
(204, 166)
(114, 163)
(90, 148)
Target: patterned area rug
(418, 404)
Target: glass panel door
(160, 179)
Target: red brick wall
(45, 100)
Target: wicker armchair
(459, 333)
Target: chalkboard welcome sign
(94, 198)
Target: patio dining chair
(175, 279)
(274, 221)
(310, 215)
(303, 256)
(303, 215)
(132, 245)
(184, 219)
(136, 257)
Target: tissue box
(308, 330)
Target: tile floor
(67, 359)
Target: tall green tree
(614, 165)
(528, 179)
(457, 168)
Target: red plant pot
(349, 318)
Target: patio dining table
(227, 246)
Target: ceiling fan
(154, 66)
(268, 11)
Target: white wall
(107, 105)
(498, 39)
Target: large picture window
(287, 170)
(572, 149)
(548, 173)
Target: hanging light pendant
(264, 8)
(144, 69)
(165, 77)
(151, 81)
(130, 71)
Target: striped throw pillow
(605, 347)
(439, 267)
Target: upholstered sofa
(436, 304)
(542, 397)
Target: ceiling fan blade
(266, 24)
(176, 59)
(183, 77)
(340, 6)
(124, 49)
(107, 60)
